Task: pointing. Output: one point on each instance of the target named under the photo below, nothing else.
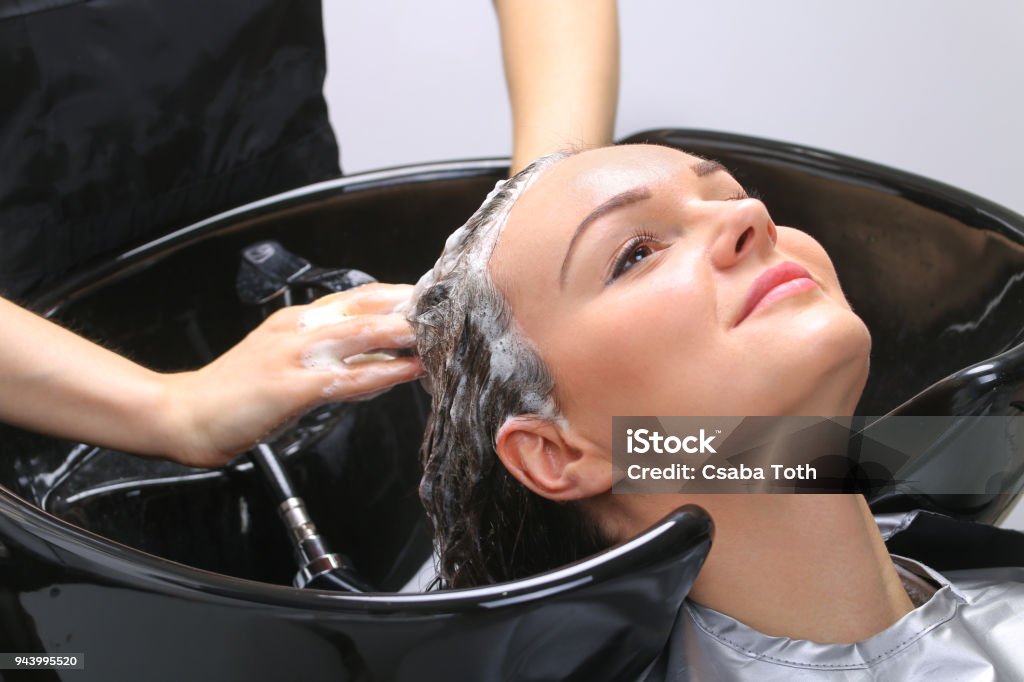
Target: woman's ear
(548, 460)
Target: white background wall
(931, 86)
(935, 87)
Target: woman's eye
(742, 194)
(636, 255)
(637, 249)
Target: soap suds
(464, 262)
(324, 356)
(321, 316)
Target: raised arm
(56, 382)
(562, 67)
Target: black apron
(124, 119)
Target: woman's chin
(817, 363)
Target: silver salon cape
(968, 626)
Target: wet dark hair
(480, 371)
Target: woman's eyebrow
(630, 196)
(707, 167)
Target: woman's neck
(808, 567)
(800, 566)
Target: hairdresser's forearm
(58, 383)
(562, 67)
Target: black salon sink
(937, 274)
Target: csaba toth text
(643, 441)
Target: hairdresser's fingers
(368, 379)
(368, 298)
(363, 333)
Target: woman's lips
(775, 283)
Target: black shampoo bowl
(157, 571)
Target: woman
(644, 281)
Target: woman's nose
(744, 228)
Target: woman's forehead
(599, 173)
(543, 220)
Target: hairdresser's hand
(55, 382)
(291, 363)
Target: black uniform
(124, 119)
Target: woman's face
(652, 285)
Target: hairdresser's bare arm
(58, 383)
(562, 66)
